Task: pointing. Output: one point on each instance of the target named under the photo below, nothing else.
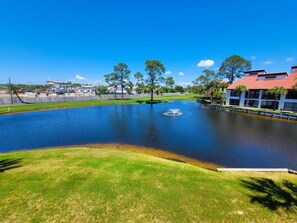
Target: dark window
(270, 76)
(291, 94)
(269, 104)
(289, 106)
(266, 95)
(235, 93)
(251, 103)
(252, 94)
(234, 102)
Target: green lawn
(101, 185)
(43, 106)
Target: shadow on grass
(272, 195)
(8, 164)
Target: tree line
(150, 82)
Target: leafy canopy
(154, 69)
(277, 91)
(241, 88)
(234, 67)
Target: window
(270, 76)
(234, 102)
(251, 103)
(252, 94)
(289, 106)
(268, 104)
(291, 94)
(235, 93)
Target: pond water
(227, 139)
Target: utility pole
(11, 99)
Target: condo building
(258, 82)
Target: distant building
(112, 90)
(59, 83)
(258, 82)
(59, 86)
(87, 88)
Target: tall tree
(277, 92)
(169, 82)
(234, 67)
(206, 79)
(112, 80)
(101, 89)
(140, 86)
(122, 73)
(155, 69)
(129, 87)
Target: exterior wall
(277, 77)
(241, 99)
(281, 102)
(228, 92)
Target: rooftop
(267, 81)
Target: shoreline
(136, 149)
(21, 108)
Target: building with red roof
(258, 82)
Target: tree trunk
(122, 92)
(152, 91)
(152, 94)
(274, 106)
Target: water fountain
(173, 112)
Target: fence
(275, 114)
(66, 98)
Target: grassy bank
(43, 106)
(101, 185)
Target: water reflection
(228, 139)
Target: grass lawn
(104, 185)
(43, 106)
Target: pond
(227, 139)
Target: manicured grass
(101, 185)
(43, 106)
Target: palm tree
(277, 91)
(241, 89)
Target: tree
(122, 74)
(179, 88)
(218, 94)
(101, 89)
(155, 69)
(112, 80)
(234, 67)
(276, 92)
(241, 88)
(169, 82)
(140, 86)
(206, 78)
(129, 87)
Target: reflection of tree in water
(273, 195)
(152, 135)
(119, 121)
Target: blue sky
(59, 39)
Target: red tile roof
(252, 82)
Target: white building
(258, 82)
